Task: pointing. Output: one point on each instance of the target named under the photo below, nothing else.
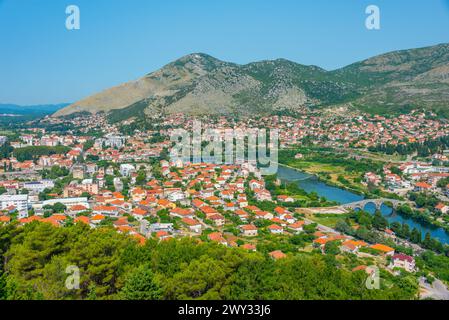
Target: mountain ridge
(201, 84)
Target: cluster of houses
(415, 177)
(192, 199)
(344, 129)
(350, 245)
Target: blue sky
(121, 40)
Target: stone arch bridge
(377, 202)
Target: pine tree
(416, 236)
(405, 230)
(379, 221)
(141, 286)
(427, 241)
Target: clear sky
(121, 40)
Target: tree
(427, 242)
(86, 195)
(310, 228)
(203, 278)
(89, 144)
(141, 285)
(28, 259)
(5, 150)
(141, 177)
(379, 221)
(33, 152)
(343, 227)
(363, 218)
(416, 236)
(332, 247)
(405, 230)
(442, 183)
(59, 208)
(114, 266)
(3, 284)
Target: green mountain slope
(402, 80)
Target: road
(436, 291)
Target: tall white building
(126, 169)
(20, 202)
(111, 140)
(38, 186)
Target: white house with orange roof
(262, 195)
(197, 203)
(275, 229)
(106, 211)
(422, 187)
(256, 184)
(296, 227)
(181, 213)
(285, 198)
(242, 214)
(217, 237)
(242, 203)
(139, 213)
(443, 208)
(263, 215)
(229, 206)
(248, 230)
(192, 224)
(217, 219)
(138, 194)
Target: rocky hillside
(201, 84)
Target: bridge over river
(350, 201)
(377, 202)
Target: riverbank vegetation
(337, 169)
(370, 228)
(423, 216)
(302, 198)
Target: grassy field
(327, 219)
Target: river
(311, 183)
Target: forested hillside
(34, 259)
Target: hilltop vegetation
(34, 259)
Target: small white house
(403, 261)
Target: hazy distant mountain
(32, 109)
(201, 84)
